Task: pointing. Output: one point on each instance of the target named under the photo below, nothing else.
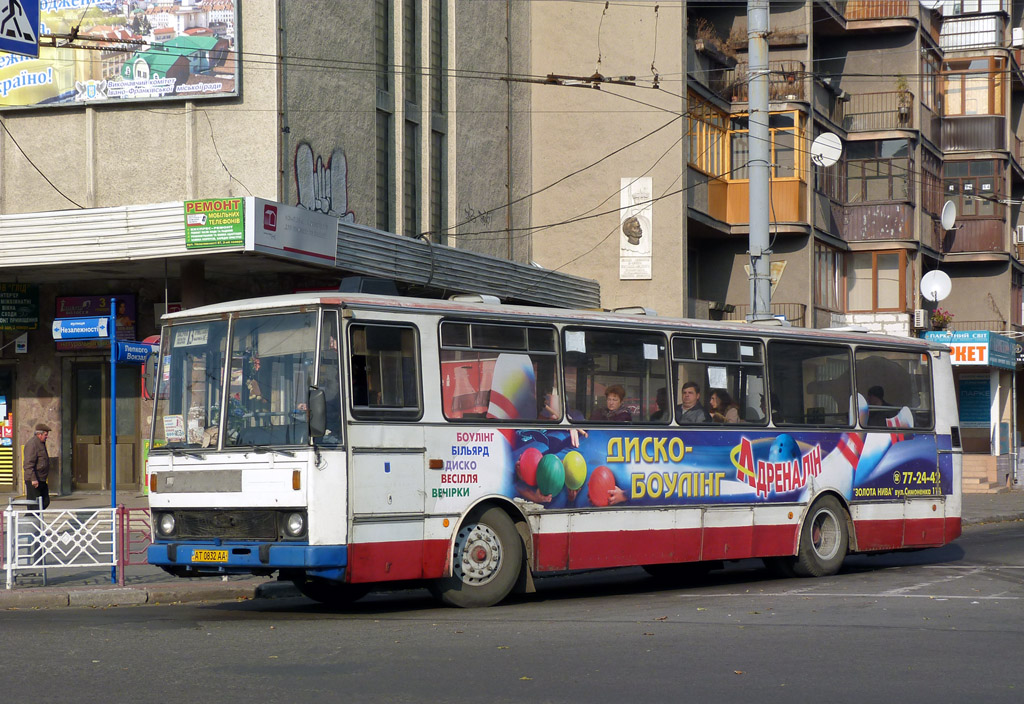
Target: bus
(354, 441)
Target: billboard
(126, 51)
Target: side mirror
(149, 370)
(317, 413)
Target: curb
(167, 593)
(998, 518)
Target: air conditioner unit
(1018, 36)
(1018, 234)
(920, 318)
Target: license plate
(209, 556)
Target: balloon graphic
(526, 467)
(601, 482)
(784, 449)
(575, 470)
(550, 475)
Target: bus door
(387, 447)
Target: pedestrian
(37, 466)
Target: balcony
(785, 81)
(880, 9)
(973, 133)
(877, 221)
(976, 235)
(971, 32)
(872, 112)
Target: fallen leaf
(502, 647)
(524, 677)
(737, 672)
(661, 618)
(648, 634)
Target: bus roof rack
(635, 310)
(475, 298)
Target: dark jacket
(37, 462)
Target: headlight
(165, 523)
(295, 524)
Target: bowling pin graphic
(839, 466)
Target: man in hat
(37, 465)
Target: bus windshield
(272, 361)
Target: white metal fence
(37, 541)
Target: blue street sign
(19, 27)
(134, 352)
(81, 328)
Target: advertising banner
(19, 306)
(214, 222)
(292, 232)
(976, 348)
(97, 306)
(576, 468)
(126, 51)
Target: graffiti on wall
(323, 187)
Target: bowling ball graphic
(784, 449)
(526, 467)
(601, 482)
(575, 470)
(550, 475)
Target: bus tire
(329, 592)
(486, 561)
(824, 540)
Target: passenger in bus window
(723, 408)
(691, 410)
(876, 397)
(613, 411)
(663, 414)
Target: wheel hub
(477, 554)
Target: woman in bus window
(723, 408)
(613, 412)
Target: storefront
(984, 366)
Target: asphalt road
(942, 625)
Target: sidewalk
(145, 584)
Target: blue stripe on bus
(247, 555)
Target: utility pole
(759, 165)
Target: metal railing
(793, 312)
(36, 541)
(868, 112)
(785, 81)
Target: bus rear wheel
(486, 561)
(824, 540)
(329, 592)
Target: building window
(410, 181)
(931, 183)
(786, 129)
(384, 140)
(974, 186)
(708, 136)
(930, 69)
(383, 156)
(974, 86)
(828, 277)
(1017, 308)
(875, 281)
(879, 170)
(438, 121)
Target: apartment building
(927, 100)
(388, 118)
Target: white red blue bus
(350, 441)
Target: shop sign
(19, 306)
(214, 222)
(977, 348)
(292, 232)
(975, 400)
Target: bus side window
(384, 361)
(729, 376)
(492, 372)
(614, 376)
(330, 377)
(810, 384)
(894, 389)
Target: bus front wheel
(486, 561)
(823, 540)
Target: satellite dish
(931, 4)
(948, 217)
(826, 149)
(935, 285)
